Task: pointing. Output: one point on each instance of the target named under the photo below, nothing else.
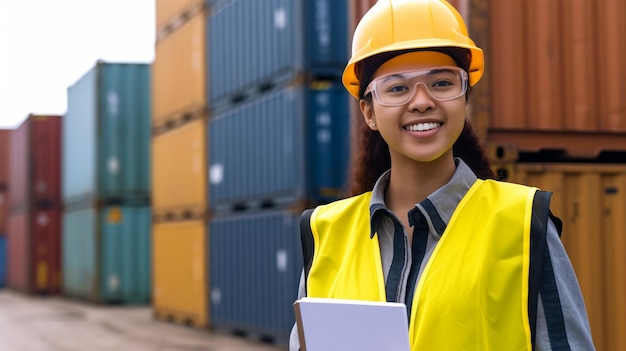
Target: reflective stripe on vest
(473, 292)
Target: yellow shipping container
(179, 176)
(168, 12)
(179, 74)
(180, 272)
(591, 201)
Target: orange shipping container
(179, 188)
(180, 272)
(555, 73)
(591, 201)
(4, 158)
(168, 12)
(179, 73)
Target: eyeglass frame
(371, 87)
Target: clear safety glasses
(442, 83)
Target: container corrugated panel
(179, 172)
(3, 261)
(171, 12)
(255, 263)
(5, 135)
(180, 271)
(45, 229)
(106, 254)
(591, 201)
(179, 73)
(45, 143)
(106, 144)
(19, 256)
(4, 211)
(256, 44)
(543, 76)
(19, 166)
(35, 161)
(34, 253)
(292, 144)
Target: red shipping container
(35, 162)
(4, 158)
(4, 211)
(34, 251)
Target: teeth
(420, 127)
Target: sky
(47, 45)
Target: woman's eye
(398, 88)
(442, 83)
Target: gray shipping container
(289, 145)
(255, 266)
(106, 135)
(255, 44)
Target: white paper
(334, 324)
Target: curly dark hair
(370, 154)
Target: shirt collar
(444, 200)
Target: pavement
(57, 323)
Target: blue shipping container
(254, 44)
(106, 254)
(106, 135)
(289, 145)
(255, 264)
(3, 261)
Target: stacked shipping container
(278, 141)
(4, 201)
(33, 242)
(179, 201)
(106, 185)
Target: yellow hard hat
(393, 25)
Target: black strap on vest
(538, 243)
(308, 244)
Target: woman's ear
(368, 113)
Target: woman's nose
(421, 99)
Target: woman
(478, 263)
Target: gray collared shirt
(403, 263)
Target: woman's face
(424, 128)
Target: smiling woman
(46, 46)
(425, 224)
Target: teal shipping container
(106, 136)
(106, 254)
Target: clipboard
(336, 324)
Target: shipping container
(591, 201)
(5, 135)
(289, 145)
(555, 72)
(106, 254)
(179, 172)
(258, 44)
(179, 74)
(106, 135)
(4, 211)
(255, 263)
(169, 14)
(35, 160)
(180, 271)
(34, 250)
(3, 260)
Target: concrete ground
(33, 323)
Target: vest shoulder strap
(538, 229)
(308, 244)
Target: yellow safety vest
(473, 292)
